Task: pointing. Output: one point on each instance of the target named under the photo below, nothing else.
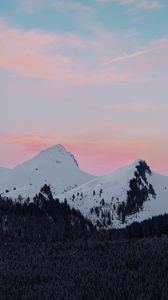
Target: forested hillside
(43, 220)
(50, 251)
(118, 270)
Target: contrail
(128, 56)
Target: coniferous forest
(50, 251)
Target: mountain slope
(43, 220)
(132, 193)
(4, 172)
(54, 166)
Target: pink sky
(89, 83)
(97, 156)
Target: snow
(59, 169)
(54, 166)
(115, 187)
(4, 172)
(157, 206)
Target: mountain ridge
(54, 166)
(131, 193)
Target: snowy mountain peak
(142, 161)
(61, 151)
(58, 151)
(54, 166)
(55, 148)
(3, 169)
(56, 155)
(143, 164)
(131, 193)
(142, 170)
(121, 197)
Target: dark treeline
(42, 220)
(50, 251)
(111, 270)
(156, 226)
(46, 219)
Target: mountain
(54, 166)
(132, 193)
(43, 220)
(4, 172)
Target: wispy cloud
(53, 56)
(146, 4)
(68, 58)
(127, 56)
(61, 5)
(73, 6)
(142, 4)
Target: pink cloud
(25, 51)
(95, 153)
(16, 147)
(103, 156)
(35, 65)
(38, 54)
(95, 157)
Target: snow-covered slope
(4, 172)
(54, 166)
(132, 193)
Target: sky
(91, 75)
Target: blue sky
(65, 15)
